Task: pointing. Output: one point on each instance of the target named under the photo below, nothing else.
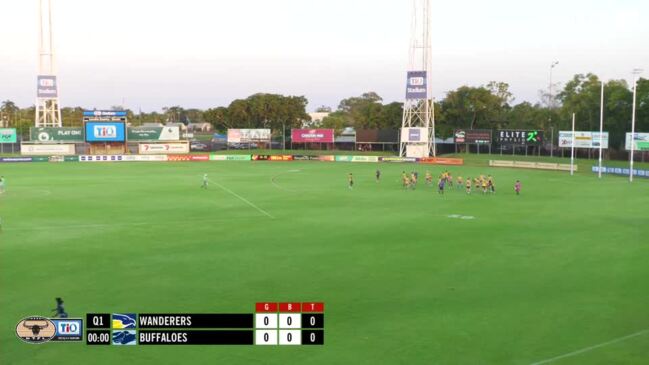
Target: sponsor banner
(260, 157)
(519, 137)
(473, 136)
(398, 159)
(144, 158)
(105, 131)
(327, 158)
(305, 158)
(640, 140)
(57, 159)
(71, 158)
(47, 149)
(365, 159)
(230, 157)
(46, 86)
(16, 159)
(417, 85)
(104, 113)
(377, 135)
(531, 165)
(414, 135)
(442, 161)
(153, 134)
(248, 135)
(621, 171)
(312, 135)
(68, 329)
(343, 158)
(50, 134)
(101, 158)
(8, 135)
(281, 158)
(200, 158)
(582, 139)
(160, 148)
(176, 158)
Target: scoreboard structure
(273, 323)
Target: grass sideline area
(406, 276)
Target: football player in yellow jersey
(468, 185)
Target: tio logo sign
(416, 81)
(69, 328)
(105, 131)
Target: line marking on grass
(578, 352)
(242, 199)
(124, 224)
(275, 184)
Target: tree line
(490, 106)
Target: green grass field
(559, 269)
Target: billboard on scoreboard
(105, 131)
(583, 139)
(8, 135)
(416, 85)
(472, 136)
(153, 134)
(640, 140)
(248, 135)
(414, 135)
(51, 134)
(519, 137)
(312, 135)
(46, 86)
(104, 113)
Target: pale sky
(202, 53)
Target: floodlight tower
(48, 112)
(418, 109)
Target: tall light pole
(636, 72)
(550, 107)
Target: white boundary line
(592, 347)
(242, 199)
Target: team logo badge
(35, 330)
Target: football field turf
(407, 277)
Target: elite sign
(516, 137)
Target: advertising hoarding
(414, 135)
(472, 136)
(416, 85)
(153, 134)
(312, 135)
(519, 137)
(46, 86)
(161, 148)
(51, 134)
(641, 141)
(105, 131)
(8, 135)
(248, 135)
(582, 139)
(47, 149)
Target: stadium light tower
(48, 112)
(418, 123)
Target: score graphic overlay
(273, 324)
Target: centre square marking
(459, 216)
